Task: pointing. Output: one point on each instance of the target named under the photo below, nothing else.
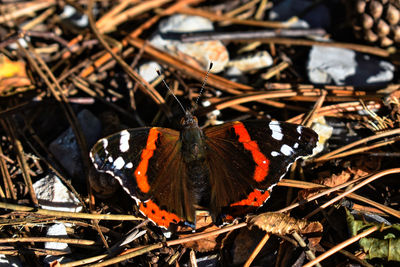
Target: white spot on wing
(299, 129)
(124, 141)
(105, 143)
(286, 150)
(296, 145)
(274, 153)
(129, 165)
(119, 163)
(110, 159)
(276, 130)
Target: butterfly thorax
(192, 139)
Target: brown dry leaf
(331, 181)
(361, 166)
(311, 230)
(365, 165)
(281, 224)
(204, 223)
(335, 180)
(12, 74)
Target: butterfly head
(189, 121)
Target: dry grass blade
(65, 214)
(170, 10)
(308, 185)
(143, 84)
(213, 80)
(341, 246)
(361, 184)
(356, 47)
(257, 250)
(224, 18)
(110, 21)
(26, 9)
(48, 239)
(338, 109)
(331, 154)
(10, 128)
(138, 251)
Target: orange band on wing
(255, 199)
(262, 163)
(141, 170)
(160, 217)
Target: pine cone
(378, 21)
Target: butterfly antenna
(204, 82)
(172, 93)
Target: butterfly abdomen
(199, 184)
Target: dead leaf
(12, 74)
(204, 223)
(282, 224)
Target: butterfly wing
(259, 153)
(149, 166)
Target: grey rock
(65, 147)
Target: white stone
(52, 194)
(256, 61)
(57, 230)
(149, 70)
(345, 66)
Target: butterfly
(170, 174)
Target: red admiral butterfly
(172, 173)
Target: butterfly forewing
(149, 166)
(258, 154)
(119, 154)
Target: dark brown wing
(244, 156)
(148, 163)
